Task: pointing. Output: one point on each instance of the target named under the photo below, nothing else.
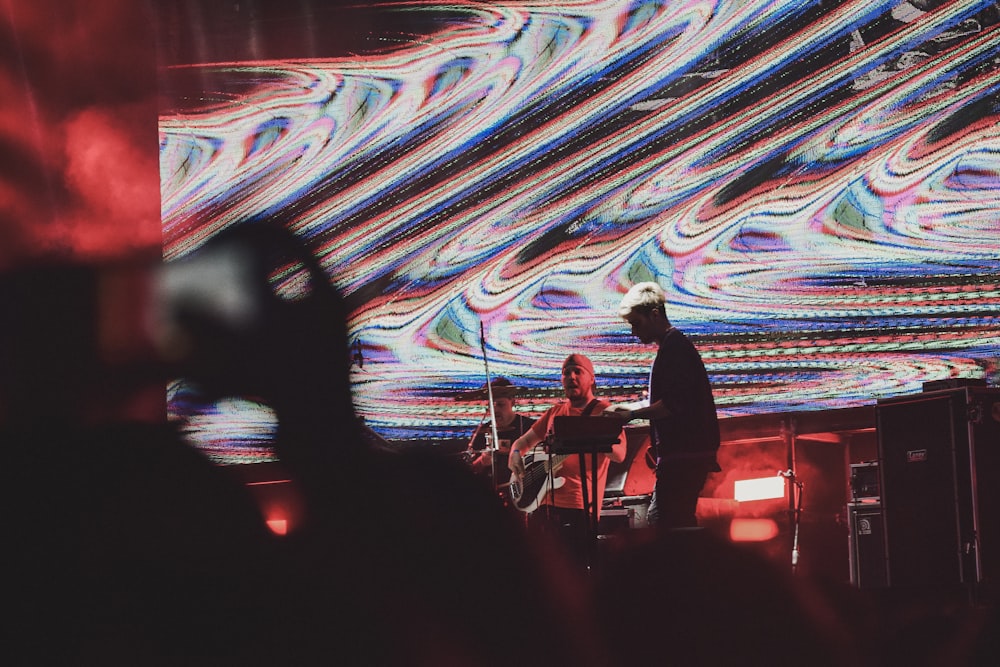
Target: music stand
(586, 435)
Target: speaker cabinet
(864, 481)
(867, 545)
(939, 478)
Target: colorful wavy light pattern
(816, 185)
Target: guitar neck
(544, 468)
(556, 461)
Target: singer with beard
(562, 513)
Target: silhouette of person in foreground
(390, 539)
(154, 554)
(130, 547)
(128, 543)
(693, 598)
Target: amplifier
(952, 383)
(615, 520)
(939, 466)
(868, 562)
(864, 480)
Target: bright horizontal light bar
(762, 488)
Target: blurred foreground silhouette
(133, 547)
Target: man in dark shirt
(684, 428)
(510, 427)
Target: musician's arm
(517, 449)
(619, 449)
(655, 410)
(483, 460)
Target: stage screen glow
(816, 185)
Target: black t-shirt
(506, 436)
(679, 379)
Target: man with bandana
(562, 511)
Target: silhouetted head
(252, 314)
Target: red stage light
(753, 530)
(278, 526)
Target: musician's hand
(482, 461)
(618, 412)
(516, 463)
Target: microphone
(359, 357)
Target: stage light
(279, 501)
(278, 526)
(762, 488)
(753, 530)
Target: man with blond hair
(684, 427)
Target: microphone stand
(796, 514)
(495, 441)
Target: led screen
(814, 184)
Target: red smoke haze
(79, 176)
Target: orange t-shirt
(570, 494)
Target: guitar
(539, 478)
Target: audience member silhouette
(391, 540)
(129, 544)
(692, 598)
(154, 554)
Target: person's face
(577, 382)
(503, 406)
(646, 325)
